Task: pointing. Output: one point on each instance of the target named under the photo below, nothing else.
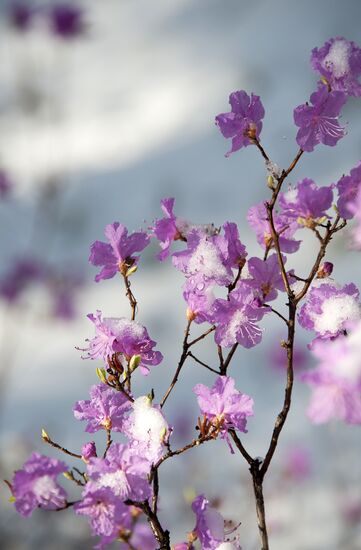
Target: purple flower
(235, 252)
(122, 336)
(339, 63)
(147, 429)
(199, 296)
(166, 229)
(106, 409)
(209, 527)
(336, 381)
(88, 451)
(122, 471)
(67, 20)
(106, 512)
(307, 202)
(349, 187)
(223, 405)
(329, 309)
(35, 485)
(243, 124)
(266, 277)
(325, 270)
(206, 256)
(236, 318)
(286, 227)
(118, 255)
(318, 123)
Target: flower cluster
(232, 293)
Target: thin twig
(181, 362)
(52, 443)
(190, 354)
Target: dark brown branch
(52, 443)
(161, 535)
(190, 354)
(196, 340)
(109, 442)
(130, 296)
(223, 368)
(240, 446)
(181, 362)
(276, 312)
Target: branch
(181, 362)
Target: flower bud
(270, 182)
(134, 362)
(88, 451)
(131, 270)
(324, 270)
(44, 435)
(101, 374)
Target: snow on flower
(35, 485)
(244, 122)
(223, 405)
(122, 471)
(122, 336)
(117, 255)
(204, 255)
(199, 296)
(329, 309)
(318, 123)
(106, 409)
(147, 429)
(339, 63)
(307, 202)
(236, 318)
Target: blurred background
(105, 108)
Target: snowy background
(99, 129)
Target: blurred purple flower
(209, 527)
(198, 293)
(21, 15)
(349, 187)
(35, 485)
(318, 123)
(67, 20)
(6, 185)
(297, 465)
(243, 123)
(21, 274)
(88, 450)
